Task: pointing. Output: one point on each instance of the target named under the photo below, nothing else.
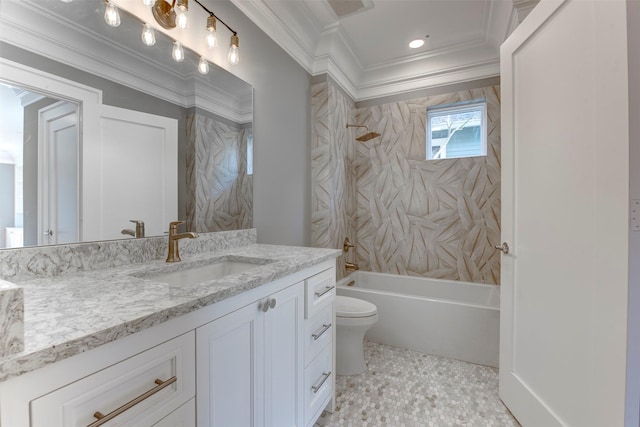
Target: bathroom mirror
(213, 113)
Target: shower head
(367, 136)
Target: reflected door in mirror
(58, 187)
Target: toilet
(353, 318)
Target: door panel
(131, 173)
(58, 174)
(229, 369)
(284, 358)
(564, 213)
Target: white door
(58, 188)
(565, 207)
(284, 358)
(130, 173)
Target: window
(458, 130)
(250, 154)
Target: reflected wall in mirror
(212, 113)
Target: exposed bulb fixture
(148, 35)
(182, 20)
(178, 52)
(211, 31)
(233, 57)
(148, 3)
(203, 65)
(111, 14)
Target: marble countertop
(73, 313)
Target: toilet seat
(354, 308)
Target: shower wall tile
(219, 190)
(333, 181)
(427, 218)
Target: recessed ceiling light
(416, 43)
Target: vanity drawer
(318, 385)
(318, 333)
(142, 389)
(319, 290)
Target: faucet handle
(137, 221)
(173, 227)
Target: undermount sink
(199, 273)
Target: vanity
(237, 334)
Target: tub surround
(71, 307)
(406, 215)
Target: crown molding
(28, 27)
(294, 27)
(296, 44)
(442, 77)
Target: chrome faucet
(174, 250)
(139, 229)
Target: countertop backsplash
(49, 261)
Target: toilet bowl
(353, 318)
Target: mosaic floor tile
(404, 388)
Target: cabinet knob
(272, 303)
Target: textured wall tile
(427, 218)
(219, 191)
(333, 181)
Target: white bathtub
(460, 320)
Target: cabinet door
(230, 366)
(283, 356)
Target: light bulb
(178, 52)
(234, 56)
(203, 65)
(181, 19)
(148, 3)
(211, 31)
(148, 35)
(112, 15)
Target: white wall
(633, 349)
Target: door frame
(88, 99)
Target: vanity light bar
(171, 15)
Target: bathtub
(459, 320)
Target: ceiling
(363, 44)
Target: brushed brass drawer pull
(320, 332)
(325, 376)
(101, 418)
(326, 290)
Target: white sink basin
(203, 273)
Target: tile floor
(404, 388)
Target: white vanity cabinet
(242, 361)
(249, 364)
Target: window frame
(458, 107)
